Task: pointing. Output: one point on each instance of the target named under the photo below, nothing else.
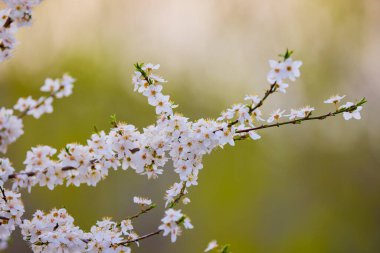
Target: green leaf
(288, 53)
(361, 102)
(113, 120)
(225, 249)
(67, 149)
(96, 130)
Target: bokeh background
(308, 188)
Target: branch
(272, 89)
(308, 117)
(141, 237)
(67, 168)
(141, 212)
(181, 194)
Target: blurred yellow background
(308, 188)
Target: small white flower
(294, 114)
(281, 86)
(276, 74)
(50, 85)
(24, 104)
(334, 99)
(212, 245)
(305, 111)
(142, 201)
(353, 114)
(291, 69)
(254, 99)
(275, 115)
(186, 201)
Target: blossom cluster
(17, 14)
(56, 232)
(172, 222)
(57, 88)
(150, 85)
(173, 138)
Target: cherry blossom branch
(32, 174)
(172, 137)
(66, 168)
(308, 117)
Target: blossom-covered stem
(24, 113)
(32, 174)
(142, 212)
(308, 117)
(179, 197)
(141, 237)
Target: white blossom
(351, 114)
(142, 201)
(211, 245)
(275, 115)
(171, 223)
(334, 99)
(11, 128)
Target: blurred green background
(308, 188)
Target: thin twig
(181, 194)
(141, 237)
(4, 197)
(141, 212)
(272, 89)
(299, 121)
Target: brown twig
(141, 212)
(3, 196)
(141, 237)
(4, 218)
